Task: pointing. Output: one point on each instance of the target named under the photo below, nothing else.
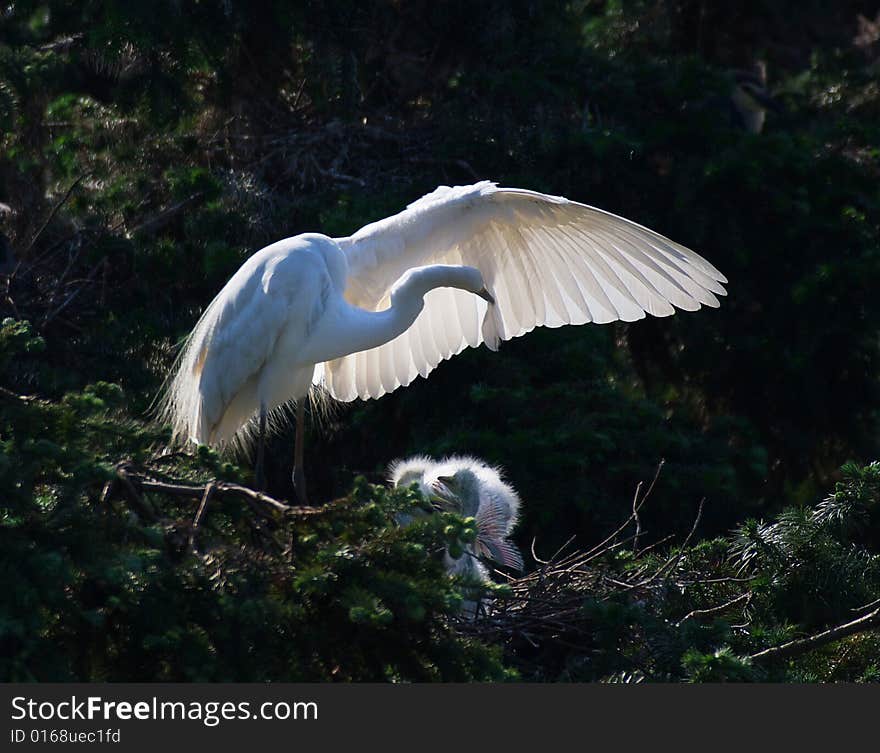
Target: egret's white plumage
(363, 315)
(547, 261)
(245, 349)
(469, 487)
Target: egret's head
(409, 478)
(405, 473)
(420, 280)
(466, 278)
(477, 285)
(458, 492)
(400, 470)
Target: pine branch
(805, 645)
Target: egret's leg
(259, 471)
(299, 474)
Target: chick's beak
(486, 295)
(438, 492)
(441, 494)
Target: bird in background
(468, 487)
(360, 316)
(750, 99)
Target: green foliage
(704, 612)
(812, 565)
(101, 595)
(720, 666)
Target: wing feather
(546, 260)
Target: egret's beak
(486, 295)
(442, 495)
(439, 493)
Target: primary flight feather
(363, 315)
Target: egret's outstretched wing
(547, 261)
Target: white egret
(363, 315)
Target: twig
(659, 542)
(19, 398)
(50, 315)
(54, 211)
(672, 562)
(200, 513)
(563, 547)
(535, 555)
(141, 506)
(158, 221)
(727, 579)
(298, 94)
(866, 606)
(635, 514)
(747, 596)
(636, 508)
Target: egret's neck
(364, 330)
(408, 299)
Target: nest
(548, 605)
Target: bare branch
(805, 645)
(141, 506)
(54, 211)
(51, 314)
(158, 221)
(672, 562)
(200, 513)
(259, 501)
(746, 597)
